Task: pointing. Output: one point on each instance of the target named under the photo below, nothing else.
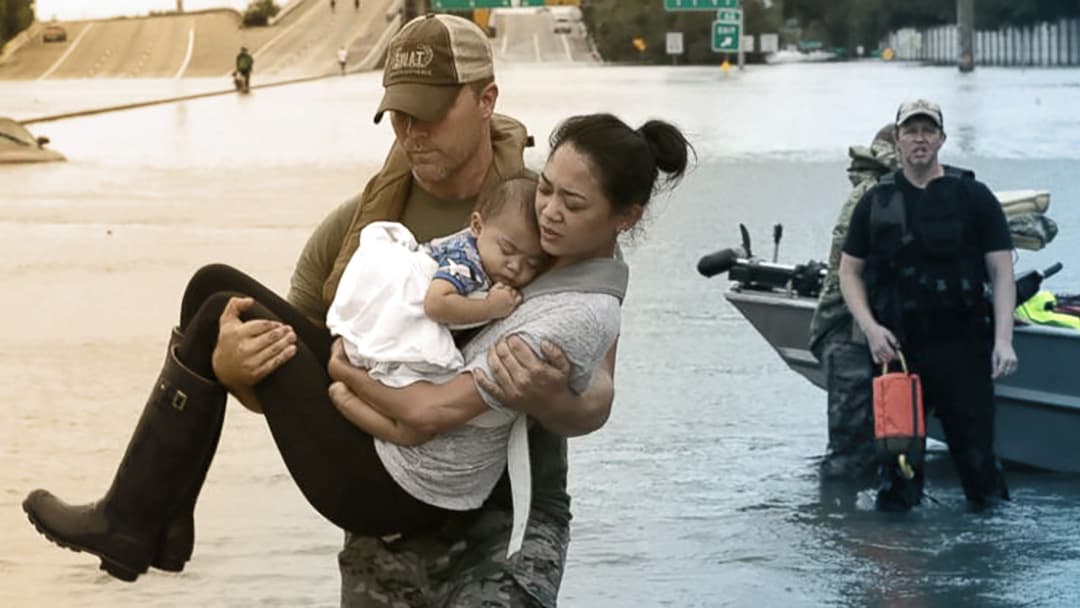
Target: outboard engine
(754, 273)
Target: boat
(18, 145)
(807, 52)
(795, 56)
(1037, 407)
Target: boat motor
(717, 262)
(777, 234)
(753, 273)
(1028, 283)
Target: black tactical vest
(932, 266)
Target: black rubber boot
(177, 540)
(164, 460)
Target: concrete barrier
(396, 9)
(20, 39)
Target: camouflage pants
(463, 565)
(848, 373)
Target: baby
(398, 300)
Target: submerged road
(203, 44)
(304, 43)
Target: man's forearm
(1004, 300)
(573, 415)
(576, 415)
(853, 289)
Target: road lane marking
(190, 52)
(536, 47)
(566, 45)
(71, 48)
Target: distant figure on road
(342, 58)
(356, 5)
(333, 5)
(244, 63)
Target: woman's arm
(370, 420)
(427, 408)
(540, 387)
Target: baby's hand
(502, 299)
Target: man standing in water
(920, 250)
(440, 94)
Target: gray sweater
(458, 469)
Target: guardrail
(20, 39)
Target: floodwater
(700, 491)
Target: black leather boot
(177, 540)
(164, 461)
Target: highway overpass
(302, 44)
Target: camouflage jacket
(867, 165)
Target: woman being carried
(599, 176)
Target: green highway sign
(731, 15)
(725, 37)
(699, 5)
(468, 5)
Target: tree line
(15, 16)
(847, 24)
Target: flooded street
(700, 491)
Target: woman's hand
(521, 379)
(248, 351)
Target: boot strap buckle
(179, 400)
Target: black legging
(332, 461)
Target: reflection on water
(700, 491)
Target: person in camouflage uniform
(462, 563)
(835, 339)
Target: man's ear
(487, 99)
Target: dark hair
(628, 161)
(520, 189)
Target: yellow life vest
(1039, 309)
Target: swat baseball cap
(428, 61)
(919, 107)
